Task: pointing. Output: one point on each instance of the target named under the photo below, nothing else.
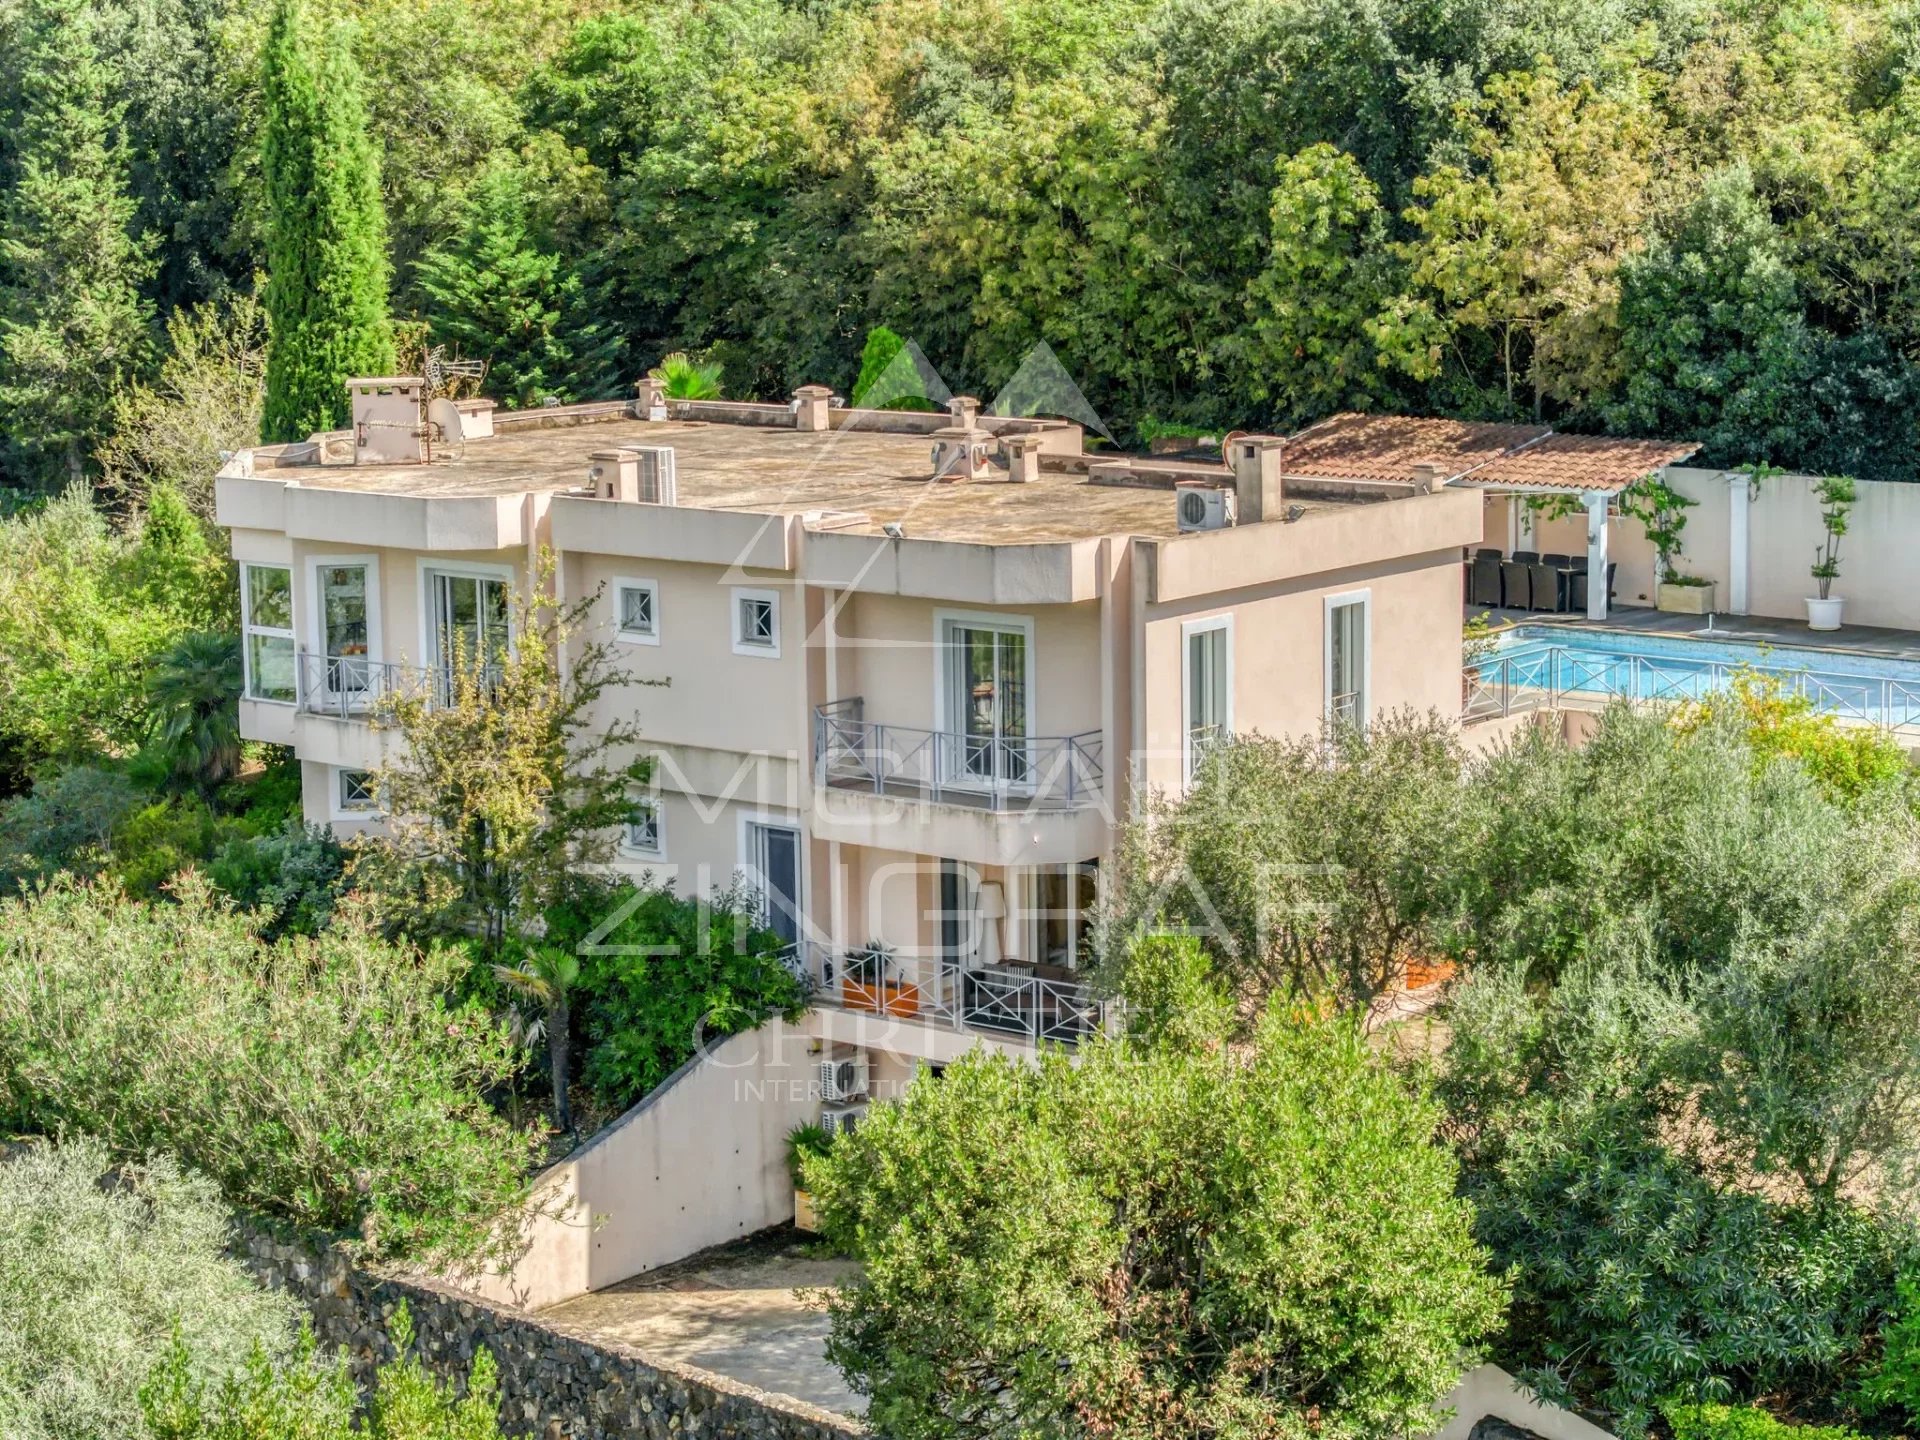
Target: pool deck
(1860, 639)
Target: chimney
(964, 409)
(388, 417)
(615, 475)
(812, 405)
(1023, 457)
(651, 398)
(1430, 475)
(960, 453)
(1258, 492)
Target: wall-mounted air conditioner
(1202, 507)
(657, 482)
(839, 1120)
(843, 1079)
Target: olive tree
(1212, 1241)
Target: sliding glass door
(346, 629)
(469, 617)
(986, 701)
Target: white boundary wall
(1490, 1390)
(1877, 555)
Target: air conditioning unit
(1203, 507)
(657, 485)
(843, 1079)
(838, 1120)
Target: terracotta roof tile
(1387, 447)
(1582, 462)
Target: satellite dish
(449, 437)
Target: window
(643, 828)
(356, 791)
(756, 622)
(1208, 680)
(266, 603)
(770, 854)
(1347, 661)
(985, 698)
(347, 616)
(637, 611)
(1060, 909)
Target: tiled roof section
(1387, 447)
(1582, 462)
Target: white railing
(1545, 676)
(998, 999)
(352, 687)
(1055, 772)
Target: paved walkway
(735, 1311)
(1866, 639)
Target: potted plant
(803, 1143)
(871, 983)
(1662, 512)
(1836, 494)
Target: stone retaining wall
(554, 1382)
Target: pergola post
(1596, 503)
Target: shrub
(67, 823)
(1894, 1382)
(1848, 763)
(1227, 1243)
(325, 1081)
(292, 877)
(309, 1400)
(99, 1274)
(1692, 1421)
(674, 974)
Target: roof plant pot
(1686, 595)
(804, 1141)
(1836, 494)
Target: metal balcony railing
(1063, 772)
(999, 999)
(1545, 676)
(351, 687)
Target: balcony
(351, 687)
(995, 774)
(1018, 1002)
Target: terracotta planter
(803, 1216)
(884, 997)
(1824, 614)
(1685, 599)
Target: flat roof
(768, 469)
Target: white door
(773, 863)
(987, 703)
(469, 622)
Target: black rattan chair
(1516, 585)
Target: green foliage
(1123, 1245)
(1174, 1000)
(805, 1144)
(548, 974)
(501, 292)
(1662, 512)
(86, 611)
(195, 698)
(66, 823)
(1836, 494)
(304, 1399)
(688, 379)
(1692, 1421)
(73, 327)
(1894, 1382)
(1849, 763)
(1304, 878)
(292, 877)
(101, 1275)
(661, 976)
(326, 250)
(326, 1081)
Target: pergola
(1506, 459)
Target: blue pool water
(1882, 689)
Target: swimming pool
(1542, 664)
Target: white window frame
(1189, 629)
(945, 720)
(1363, 711)
(375, 639)
(781, 820)
(656, 851)
(428, 567)
(623, 584)
(248, 630)
(337, 791)
(743, 646)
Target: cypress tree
(327, 262)
(73, 328)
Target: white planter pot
(1824, 614)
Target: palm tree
(688, 379)
(195, 694)
(548, 974)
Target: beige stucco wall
(1279, 653)
(699, 1162)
